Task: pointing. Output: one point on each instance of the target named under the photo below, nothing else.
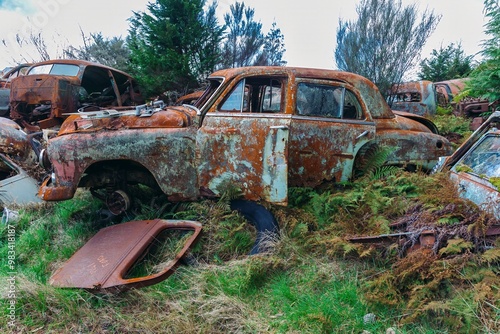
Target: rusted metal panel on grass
(425, 238)
(105, 260)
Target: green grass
(312, 281)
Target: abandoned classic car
(5, 81)
(50, 89)
(262, 128)
(475, 166)
(416, 97)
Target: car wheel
(263, 220)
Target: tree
(385, 42)
(174, 45)
(485, 79)
(446, 64)
(274, 48)
(112, 52)
(244, 41)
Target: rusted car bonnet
(102, 263)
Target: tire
(261, 218)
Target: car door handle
(363, 134)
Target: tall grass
(312, 280)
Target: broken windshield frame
(483, 158)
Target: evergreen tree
(446, 64)
(244, 41)
(174, 45)
(385, 42)
(485, 79)
(274, 48)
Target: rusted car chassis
(264, 129)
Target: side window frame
(351, 110)
(251, 93)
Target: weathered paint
(14, 141)
(416, 97)
(168, 154)
(472, 184)
(448, 89)
(103, 262)
(478, 190)
(275, 171)
(251, 134)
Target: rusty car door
(330, 125)
(245, 140)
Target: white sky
(309, 26)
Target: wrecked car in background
(416, 97)
(51, 89)
(5, 81)
(16, 151)
(475, 166)
(263, 129)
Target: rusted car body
(52, 89)
(264, 129)
(416, 97)
(16, 186)
(475, 166)
(5, 81)
(447, 90)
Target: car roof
(369, 91)
(79, 63)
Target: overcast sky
(309, 26)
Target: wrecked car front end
(111, 154)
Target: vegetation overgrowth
(312, 280)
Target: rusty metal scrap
(103, 263)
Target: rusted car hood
(403, 116)
(171, 117)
